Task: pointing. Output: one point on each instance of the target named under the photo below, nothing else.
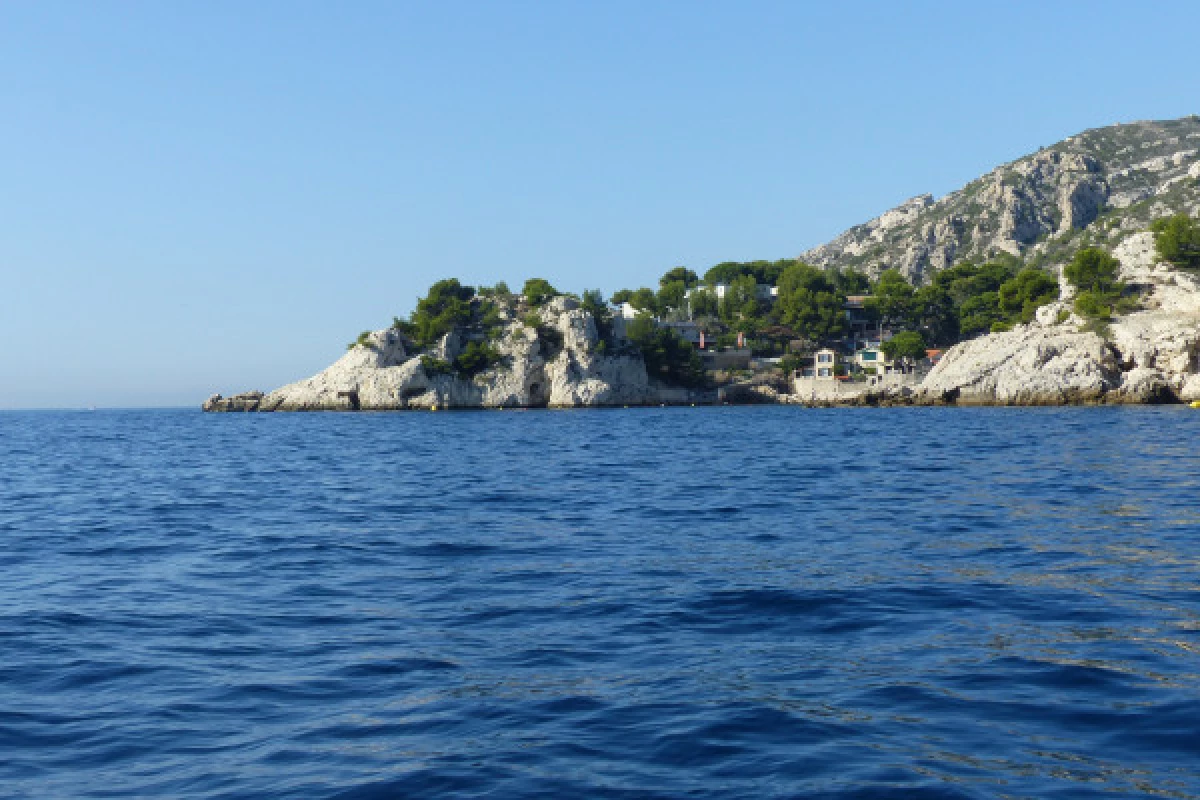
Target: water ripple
(655, 603)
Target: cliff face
(563, 370)
(1152, 355)
(1096, 188)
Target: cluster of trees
(969, 299)
(671, 295)
(964, 300)
(537, 291)
(811, 300)
(1093, 272)
(446, 307)
(668, 356)
(449, 305)
(1177, 240)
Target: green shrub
(791, 363)
(475, 358)
(445, 307)
(1094, 272)
(1177, 240)
(1063, 316)
(1092, 269)
(1022, 296)
(490, 320)
(499, 291)
(537, 291)
(363, 340)
(435, 366)
(1093, 304)
(531, 320)
(1099, 327)
(593, 303)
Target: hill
(1096, 188)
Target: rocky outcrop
(1149, 356)
(1025, 367)
(1039, 207)
(246, 401)
(559, 364)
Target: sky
(201, 197)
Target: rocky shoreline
(1149, 356)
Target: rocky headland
(1149, 356)
(1100, 189)
(559, 363)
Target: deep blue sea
(697, 603)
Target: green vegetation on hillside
(537, 291)
(669, 358)
(1177, 240)
(445, 307)
(1093, 272)
(363, 340)
(810, 303)
(785, 307)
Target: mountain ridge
(1095, 188)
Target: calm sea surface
(711, 602)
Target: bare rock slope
(1095, 188)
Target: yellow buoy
(433, 407)
(1195, 404)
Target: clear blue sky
(216, 196)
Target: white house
(825, 361)
(824, 365)
(873, 358)
(690, 331)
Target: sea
(715, 602)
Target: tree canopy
(765, 272)
(892, 297)
(741, 303)
(644, 299)
(669, 357)
(1024, 294)
(1094, 273)
(906, 344)
(672, 296)
(1092, 269)
(1177, 240)
(703, 303)
(810, 303)
(680, 274)
(538, 291)
(445, 306)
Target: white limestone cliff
(1150, 355)
(381, 374)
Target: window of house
(868, 356)
(824, 372)
(824, 358)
